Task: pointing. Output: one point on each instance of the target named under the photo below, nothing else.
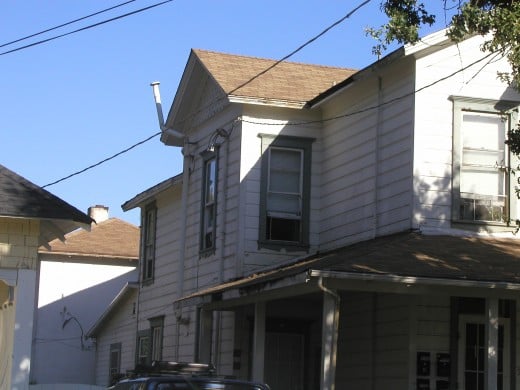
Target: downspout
(334, 342)
(222, 242)
(184, 200)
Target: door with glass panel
(473, 353)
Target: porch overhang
(408, 262)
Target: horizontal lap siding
(373, 341)
(119, 329)
(365, 155)
(157, 298)
(250, 176)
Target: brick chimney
(98, 213)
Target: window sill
(206, 252)
(288, 246)
(488, 226)
(147, 282)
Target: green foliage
(405, 19)
(497, 20)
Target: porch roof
(440, 259)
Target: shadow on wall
(60, 352)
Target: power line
(348, 15)
(276, 63)
(86, 27)
(66, 24)
(102, 161)
(374, 107)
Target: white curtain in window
(483, 137)
(285, 181)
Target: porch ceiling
(437, 259)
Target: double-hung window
(209, 203)
(482, 164)
(143, 347)
(114, 361)
(156, 330)
(285, 192)
(148, 251)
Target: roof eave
(429, 44)
(147, 195)
(264, 101)
(129, 286)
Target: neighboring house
(114, 333)
(334, 228)
(78, 278)
(29, 217)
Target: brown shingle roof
(113, 238)
(287, 81)
(460, 259)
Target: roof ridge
(272, 60)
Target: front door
(473, 353)
(284, 360)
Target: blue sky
(74, 101)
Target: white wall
(59, 280)
(366, 172)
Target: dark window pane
(283, 229)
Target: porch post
(492, 343)
(206, 330)
(329, 339)
(259, 342)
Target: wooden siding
(156, 299)
(120, 328)
(260, 120)
(19, 243)
(434, 121)
(373, 347)
(367, 160)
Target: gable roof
(128, 289)
(289, 82)
(19, 198)
(149, 194)
(113, 241)
(226, 78)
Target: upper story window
(482, 185)
(209, 203)
(285, 192)
(149, 235)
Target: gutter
(413, 280)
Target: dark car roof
(186, 382)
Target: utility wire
(86, 27)
(374, 107)
(66, 24)
(366, 109)
(348, 15)
(102, 161)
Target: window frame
(507, 109)
(208, 157)
(156, 346)
(143, 336)
(114, 371)
(149, 240)
(303, 145)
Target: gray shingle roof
(20, 198)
